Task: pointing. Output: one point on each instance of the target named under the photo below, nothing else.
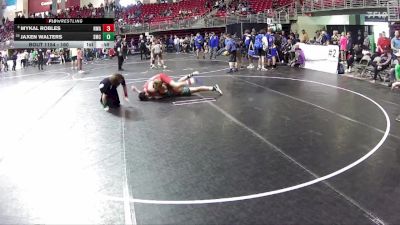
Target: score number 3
(108, 27)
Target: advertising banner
(36, 6)
(321, 58)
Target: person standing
(260, 47)
(214, 42)
(40, 59)
(80, 60)
(343, 46)
(335, 38)
(272, 52)
(5, 62)
(230, 46)
(199, 44)
(142, 47)
(62, 56)
(119, 52)
(395, 43)
(360, 38)
(366, 43)
(74, 54)
(14, 59)
(177, 44)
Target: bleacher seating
(6, 31)
(154, 12)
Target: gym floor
(279, 147)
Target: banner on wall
(36, 6)
(321, 58)
(10, 2)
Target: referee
(119, 51)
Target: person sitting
(287, 51)
(381, 64)
(299, 58)
(395, 73)
(355, 55)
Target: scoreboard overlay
(64, 33)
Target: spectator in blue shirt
(214, 42)
(230, 46)
(272, 52)
(199, 44)
(395, 43)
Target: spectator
(14, 59)
(359, 39)
(5, 62)
(395, 73)
(355, 54)
(384, 63)
(383, 43)
(214, 42)
(199, 44)
(299, 59)
(177, 44)
(324, 38)
(287, 52)
(395, 43)
(80, 60)
(335, 37)
(304, 37)
(318, 37)
(25, 58)
(366, 43)
(343, 47)
(349, 42)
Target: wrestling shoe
(217, 89)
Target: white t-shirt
(74, 52)
(176, 41)
(157, 49)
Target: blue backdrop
(11, 2)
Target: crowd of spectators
(139, 14)
(357, 54)
(79, 12)
(6, 30)
(236, 7)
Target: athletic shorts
(272, 53)
(260, 52)
(73, 58)
(199, 47)
(185, 92)
(157, 54)
(232, 56)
